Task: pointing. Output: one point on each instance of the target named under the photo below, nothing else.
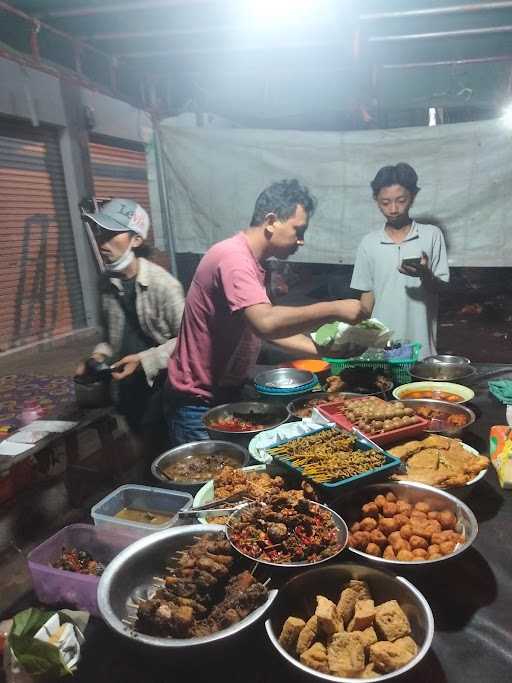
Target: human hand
(81, 368)
(351, 311)
(128, 365)
(421, 270)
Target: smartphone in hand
(411, 262)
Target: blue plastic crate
(390, 465)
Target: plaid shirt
(159, 303)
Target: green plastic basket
(397, 368)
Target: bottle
(31, 410)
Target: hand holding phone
(411, 262)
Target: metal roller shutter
(120, 171)
(39, 280)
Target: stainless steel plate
(350, 508)
(130, 576)
(284, 378)
(342, 538)
(298, 598)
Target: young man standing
(141, 305)
(228, 313)
(400, 268)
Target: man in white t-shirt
(402, 293)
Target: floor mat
(54, 395)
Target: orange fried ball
(418, 542)
(389, 509)
(373, 549)
(405, 556)
(447, 547)
(370, 510)
(401, 519)
(390, 497)
(355, 527)
(400, 544)
(361, 539)
(377, 537)
(380, 501)
(368, 524)
(389, 553)
(447, 519)
(404, 507)
(387, 525)
(422, 507)
(419, 554)
(406, 531)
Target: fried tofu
(290, 633)
(369, 671)
(308, 635)
(369, 637)
(316, 658)
(327, 616)
(364, 614)
(409, 644)
(353, 591)
(391, 621)
(388, 657)
(345, 654)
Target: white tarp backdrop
(465, 172)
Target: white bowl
(465, 393)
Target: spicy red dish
(282, 532)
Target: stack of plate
(284, 382)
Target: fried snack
(345, 654)
(308, 635)
(391, 620)
(388, 657)
(328, 621)
(357, 653)
(290, 633)
(413, 535)
(439, 461)
(316, 658)
(369, 671)
(364, 614)
(369, 637)
(354, 591)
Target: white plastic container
(147, 498)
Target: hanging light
(274, 11)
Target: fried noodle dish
(203, 594)
(283, 531)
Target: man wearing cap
(141, 305)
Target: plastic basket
(397, 368)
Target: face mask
(122, 262)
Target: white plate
(461, 489)
(465, 393)
(259, 444)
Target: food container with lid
(145, 499)
(60, 587)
